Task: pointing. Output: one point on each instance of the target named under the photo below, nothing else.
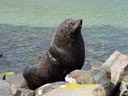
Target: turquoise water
(49, 13)
(27, 28)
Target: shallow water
(27, 28)
(23, 45)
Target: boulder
(16, 80)
(119, 68)
(100, 75)
(80, 77)
(118, 63)
(71, 89)
(5, 88)
(48, 87)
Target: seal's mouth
(77, 27)
(79, 23)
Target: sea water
(27, 28)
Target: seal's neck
(65, 42)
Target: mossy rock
(71, 89)
(9, 73)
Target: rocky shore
(103, 79)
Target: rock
(80, 77)
(7, 74)
(18, 93)
(118, 64)
(24, 92)
(48, 87)
(5, 88)
(13, 89)
(112, 58)
(1, 54)
(1, 76)
(124, 84)
(102, 76)
(119, 68)
(124, 89)
(16, 80)
(71, 89)
(95, 65)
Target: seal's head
(70, 27)
(69, 30)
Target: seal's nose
(80, 21)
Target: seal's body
(66, 53)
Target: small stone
(40, 92)
(1, 54)
(13, 89)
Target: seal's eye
(71, 22)
(62, 30)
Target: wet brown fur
(66, 53)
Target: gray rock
(71, 89)
(5, 88)
(13, 89)
(80, 77)
(102, 76)
(95, 64)
(19, 93)
(48, 87)
(11, 86)
(124, 88)
(16, 80)
(99, 75)
(1, 76)
(24, 92)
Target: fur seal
(66, 53)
